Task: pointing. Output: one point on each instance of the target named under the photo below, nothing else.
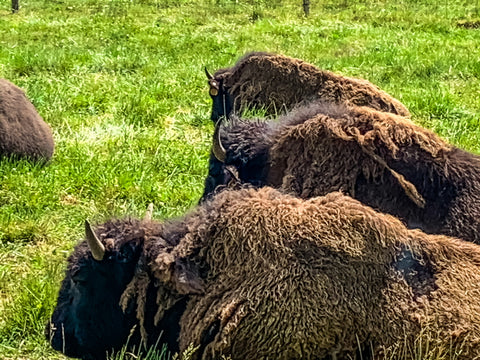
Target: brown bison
(23, 133)
(383, 160)
(257, 274)
(277, 83)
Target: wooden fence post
(306, 7)
(14, 6)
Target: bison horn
(218, 149)
(209, 76)
(148, 213)
(94, 243)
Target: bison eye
(79, 276)
(126, 253)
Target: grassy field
(121, 83)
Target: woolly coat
(270, 276)
(383, 160)
(23, 133)
(386, 162)
(277, 83)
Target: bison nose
(49, 330)
(54, 336)
(61, 340)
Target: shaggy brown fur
(279, 83)
(272, 276)
(23, 133)
(386, 162)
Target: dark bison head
(88, 321)
(240, 155)
(222, 101)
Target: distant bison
(381, 159)
(277, 83)
(23, 133)
(257, 274)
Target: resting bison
(278, 83)
(23, 133)
(257, 274)
(381, 159)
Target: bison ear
(214, 84)
(186, 278)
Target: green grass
(121, 83)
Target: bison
(258, 274)
(23, 133)
(383, 160)
(277, 83)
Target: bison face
(222, 102)
(88, 321)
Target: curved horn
(148, 213)
(209, 76)
(94, 243)
(218, 149)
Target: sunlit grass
(121, 82)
